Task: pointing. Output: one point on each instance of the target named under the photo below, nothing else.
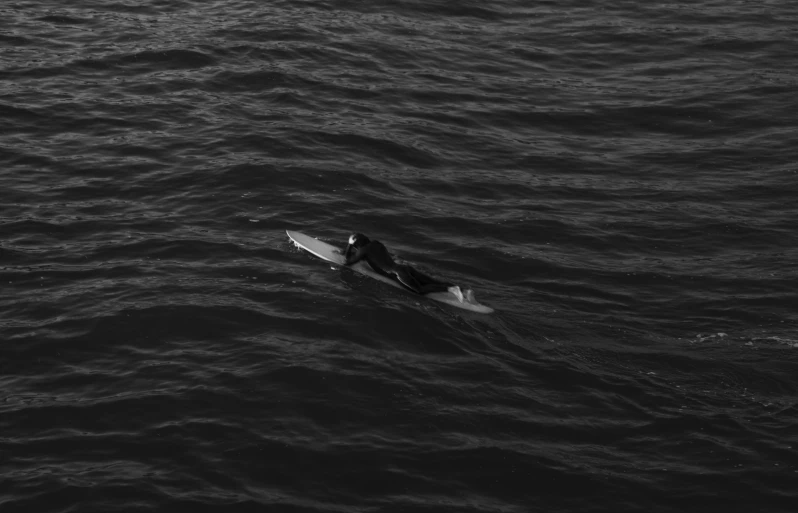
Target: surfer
(374, 252)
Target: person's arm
(352, 255)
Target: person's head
(358, 240)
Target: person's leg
(423, 284)
(405, 276)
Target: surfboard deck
(332, 254)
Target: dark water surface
(617, 179)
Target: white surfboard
(332, 254)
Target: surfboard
(335, 255)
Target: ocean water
(617, 179)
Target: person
(375, 253)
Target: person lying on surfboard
(374, 252)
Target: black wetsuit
(377, 256)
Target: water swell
(618, 184)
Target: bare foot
(457, 292)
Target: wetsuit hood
(358, 240)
